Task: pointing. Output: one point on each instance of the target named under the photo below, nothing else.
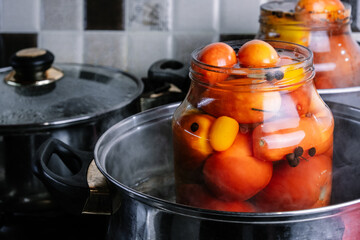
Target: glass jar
(259, 140)
(327, 34)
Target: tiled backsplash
(126, 34)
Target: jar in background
(253, 139)
(327, 34)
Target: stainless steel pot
(136, 173)
(73, 102)
(348, 96)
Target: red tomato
(197, 196)
(234, 174)
(295, 103)
(352, 226)
(341, 49)
(217, 54)
(295, 188)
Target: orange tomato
(295, 188)
(272, 141)
(197, 196)
(191, 142)
(234, 174)
(257, 54)
(217, 54)
(319, 6)
(320, 11)
(244, 106)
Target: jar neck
(237, 78)
(282, 15)
(335, 28)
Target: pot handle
(63, 170)
(170, 71)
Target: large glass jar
(257, 140)
(327, 34)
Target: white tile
(144, 48)
(356, 36)
(62, 15)
(65, 45)
(148, 15)
(241, 16)
(199, 15)
(20, 15)
(186, 42)
(106, 48)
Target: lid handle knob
(32, 66)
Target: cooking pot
(346, 96)
(72, 102)
(131, 178)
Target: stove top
(52, 226)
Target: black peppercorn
(194, 127)
(292, 160)
(312, 152)
(279, 75)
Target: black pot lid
(36, 94)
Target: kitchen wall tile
(65, 45)
(230, 37)
(186, 42)
(104, 14)
(148, 15)
(19, 15)
(106, 48)
(62, 15)
(144, 48)
(239, 16)
(355, 12)
(201, 15)
(13, 42)
(356, 36)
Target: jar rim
(256, 75)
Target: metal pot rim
(264, 217)
(338, 90)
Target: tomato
(295, 103)
(217, 54)
(257, 54)
(191, 142)
(197, 196)
(321, 11)
(234, 174)
(223, 133)
(341, 52)
(244, 106)
(272, 141)
(294, 188)
(319, 6)
(351, 223)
